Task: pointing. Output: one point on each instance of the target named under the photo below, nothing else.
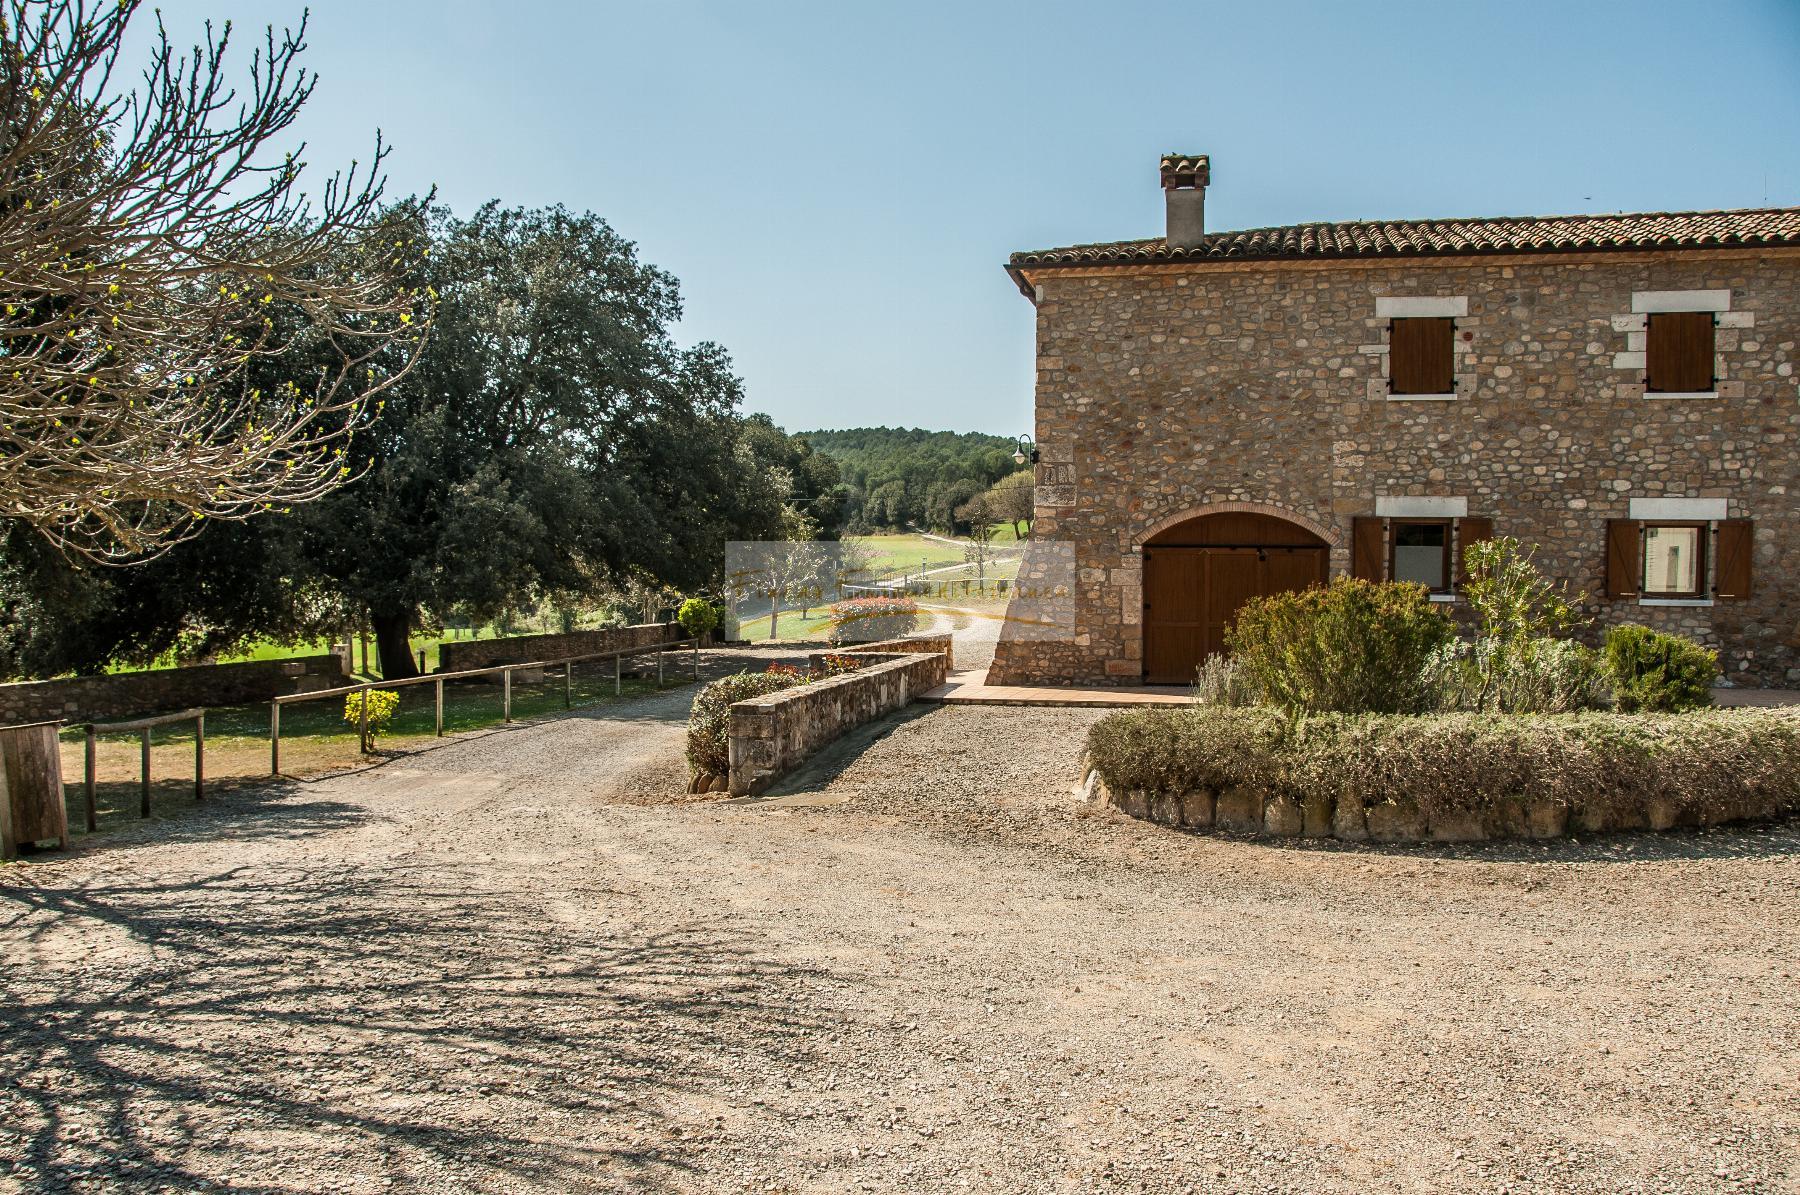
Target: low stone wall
(521, 649)
(1246, 812)
(943, 645)
(772, 735)
(161, 690)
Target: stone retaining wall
(1246, 812)
(944, 645)
(772, 735)
(161, 690)
(521, 649)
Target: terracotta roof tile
(1413, 238)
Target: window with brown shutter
(1624, 559)
(1732, 572)
(1368, 548)
(1469, 532)
(1678, 353)
(1420, 356)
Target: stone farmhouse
(1226, 414)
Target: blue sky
(837, 185)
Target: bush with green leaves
(697, 616)
(382, 704)
(1702, 766)
(871, 620)
(1659, 672)
(1540, 675)
(709, 722)
(1351, 646)
(1221, 681)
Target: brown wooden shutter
(1368, 548)
(1469, 532)
(1679, 352)
(1624, 558)
(1737, 537)
(1419, 356)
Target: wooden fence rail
(143, 727)
(618, 657)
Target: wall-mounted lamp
(1025, 451)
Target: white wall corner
(1696, 510)
(1421, 306)
(1737, 319)
(1637, 342)
(1628, 360)
(1628, 323)
(1402, 507)
(1650, 302)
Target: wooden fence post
(93, 814)
(618, 675)
(362, 719)
(568, 695)
(696, 659)
(506, 693)
(440, 707)
(659, 667)
(274, 738)
(144, 780)
(200, 757)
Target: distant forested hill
(911, 477)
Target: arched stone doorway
(1199, 572)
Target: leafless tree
(157, 252)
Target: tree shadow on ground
(282, 1028)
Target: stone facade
(1167, 391)
(163, 690)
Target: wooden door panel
(1232, 578)
(1294, 570)
(1173, 582)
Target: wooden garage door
(1191, 596)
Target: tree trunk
(391, 631)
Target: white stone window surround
(1410, 507)
(1635, 325)
(1683, 510)
(1392, 307)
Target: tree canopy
(900, 477)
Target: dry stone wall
(162, 690)
(773, 735)
(523, 649)
(1165, 392)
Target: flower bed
(1449, 777)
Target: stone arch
(1330, 535)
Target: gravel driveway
(522, 961)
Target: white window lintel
(1681, 510)
(1421, 306)
(1402, 507)
(1655, 302)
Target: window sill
(1681, 394)
(1421, 398)
(1691, 602)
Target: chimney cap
(1186, 170)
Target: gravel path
(522, 962)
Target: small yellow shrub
(383, 703)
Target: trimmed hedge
(1605, 768)
(1659, 672)
(871, 620)
(709, 722)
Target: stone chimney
(1184, 179)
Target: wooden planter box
(31, 787)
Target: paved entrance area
(970, 687)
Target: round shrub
(709, 722)
(1658, 672)
(872, 619)
(1353, 646)
(697, 616)
(382, 705)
